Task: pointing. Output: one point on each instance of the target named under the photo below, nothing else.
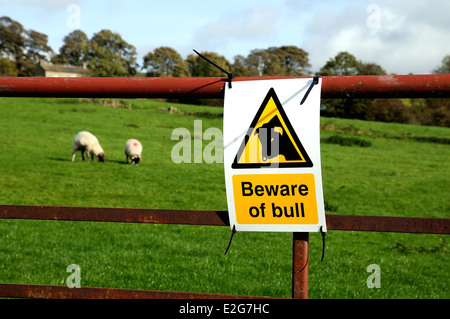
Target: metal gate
(333, 87)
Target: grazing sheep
(85, 141)
(133, 150)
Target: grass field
(380, 169)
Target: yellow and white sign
(272, 156)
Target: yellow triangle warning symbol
(271, 140)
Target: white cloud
(44, 5)
(239, 30)
(411, 36)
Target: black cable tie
(323, 243)
(231, 238)
(314, 82)
(230, 75)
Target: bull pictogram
(271, 140)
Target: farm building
(57, 70)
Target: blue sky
(403, 36)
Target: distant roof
(64, 68)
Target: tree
(7, 67)
(74, 50)
(12, 39)
(343, 64)
(165, 62)
(294, 61)
(110, 55)
(370, 69)
(388, 110)
(200, 67)
(36, 47)
(274, 61)
(257, 62)
(444, 68)
(437, 110)
(24, 47)
(240, 67)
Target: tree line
(106, 54)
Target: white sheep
(86, 141)
(133, 150)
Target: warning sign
(271, 139)
(272, 156)
(275, 199)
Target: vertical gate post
(300, 266)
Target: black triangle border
(304, 154)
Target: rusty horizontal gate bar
(63, 292)
(194, 217)
(217, 218)
(333, 87)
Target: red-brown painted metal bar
(333, 87)
(418, 225)
(300, 265)
(62, 292)
(124, 215)
(217, 218)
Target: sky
(402, 36)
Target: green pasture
(368, 168)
